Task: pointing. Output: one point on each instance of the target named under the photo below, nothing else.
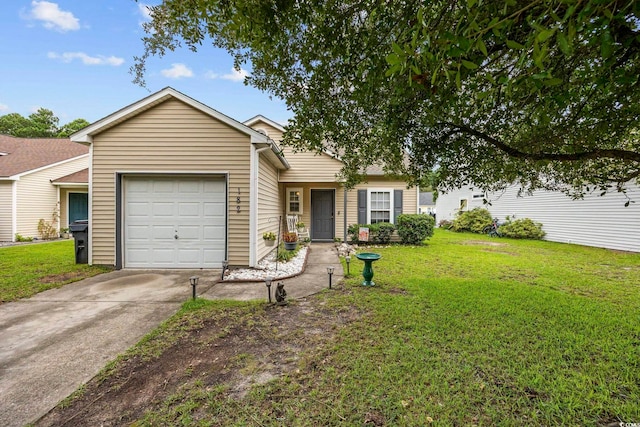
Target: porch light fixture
(194, 282)
(330, 272)
(267, 281)
(348, 261)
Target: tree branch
(562, 157)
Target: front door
(78, 206)
(322, 223)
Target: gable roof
(80, 177)
(85, 135)
(260, 118)
(22, 155)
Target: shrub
(284, 255)
(414, 229)
(21, 238)
(380, 232)
(524, 228)
(474, 220)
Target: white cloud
(86, 59)
(52, 17)
(144, 10)
(235, 75)
(177, 71)
(211, 75)
(4, 107)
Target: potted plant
(64, 232)
(300, 225)
(290, 241)
(269, 238)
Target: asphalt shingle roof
(80, 177)
(20, 155)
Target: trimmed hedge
(414, 229)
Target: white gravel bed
(267, 267)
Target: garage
(174, 221)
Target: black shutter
(362, 206)
(397, 204)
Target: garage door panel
(213, 233)
(159, 208)
(211, 256)
(214, 210)
(190, 209)
(190, 232)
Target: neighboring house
(177, 184)
(601, 221)
(30, 171)
(426, 205)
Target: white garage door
(174, 222)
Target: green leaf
(458, 81)
(397, 49)
(482, 47)
(512, 44)
(469, 65)
(606, 44)
(563, 43)
(544, 35)
(471, 3)
(553, 82)
(392, 59)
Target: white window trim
(391, 202)
(292, 189)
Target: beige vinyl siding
(268, 204)
(306, 202)
(37, 197)
(310, 167)
(273, 133)
(6, 211)
(64, 203)
(169, 138)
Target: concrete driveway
(54, 342)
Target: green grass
(466, 330)
(28, 269)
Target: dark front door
(78, 206)
(322, 223)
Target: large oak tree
(541, 92)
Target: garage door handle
(175, 237)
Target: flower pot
(290, 246)
(269, 242)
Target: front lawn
(466, 330)
(28, 269)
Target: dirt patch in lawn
(482, 243)
(64, 277)
(234, 348)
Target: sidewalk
(313, 279)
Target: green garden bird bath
(367, 273)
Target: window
(464, 204)
(379, 206)
(294, 200)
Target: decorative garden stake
(281, 294)
(267, 281)
(348, 260)
(225, 267)
(194, 282)
(367, 273)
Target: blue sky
(73, 57)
